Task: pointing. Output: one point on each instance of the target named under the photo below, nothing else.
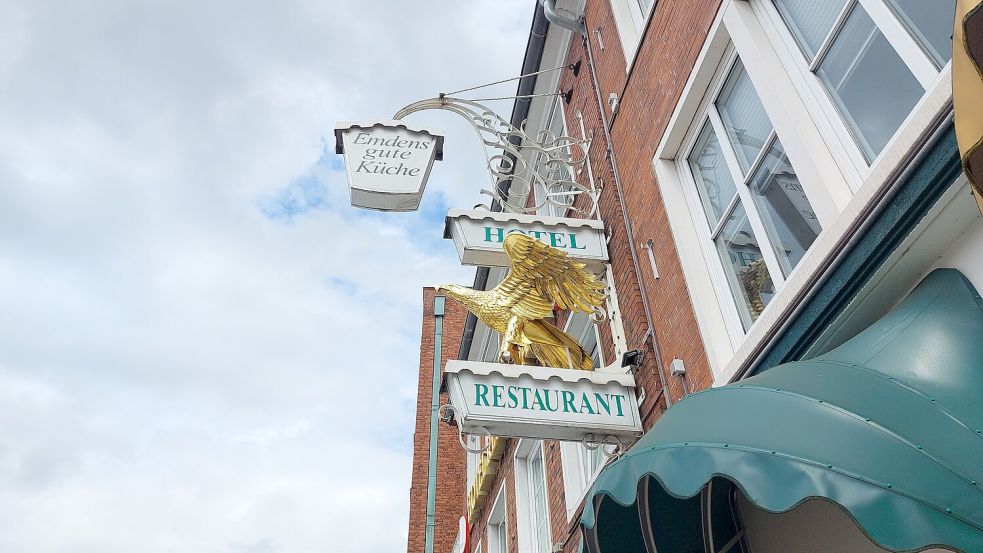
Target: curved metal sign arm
(555, 159)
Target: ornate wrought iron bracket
(555, 160)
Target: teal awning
(887, 426)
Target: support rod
(438, 334)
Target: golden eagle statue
(518, 307)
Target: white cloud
(183, 367)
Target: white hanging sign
(519, 401)
(461, 541)
(387, 162)
(478, 235)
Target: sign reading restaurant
(387, 162)
(478, 235)
(541, 402)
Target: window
(639, 12)
(536, 476)
(532, 509)
(858, 49)
(497, 530)
(555, 203)
(582, 328)
(630, 18)
(748, 198)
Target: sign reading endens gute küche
(387, 162)
(521, 401)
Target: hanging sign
(521, 401)
(387, 162)
(479, 233)
(461, 542)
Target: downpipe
(609, 150)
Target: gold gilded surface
(540, 277)
(967, 89)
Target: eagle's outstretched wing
(542, 276)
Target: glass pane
(790, 222)
(537, 489)
(810, 21)
(748, 127)
(644, 5)
(747, 274)
(931, 22)
(713, 180)
(501, 542)
(873, 88)
(589, 344)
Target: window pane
(589, 344)
(537, 490)
(810, 21)
(931, 23)
(867, 79)
(747, 274)
(713, 180)
(791, 223)
(748, 127)
(644, 5)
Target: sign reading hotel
(387, 162)
(478, 235)
(523, 401)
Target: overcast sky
(203, 347)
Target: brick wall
(451, 460)
(647, 97)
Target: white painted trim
(821, 109)
(498, 514)
(523, 502)
(750, 208)
(814, 260)
(839, 139)
(710, 314)
(615, 322)
(719, 325)
(630, 23)
(576, 481)
(912, 54)
(826, 186)
(573, 490)
(818, 145)
(579, 332)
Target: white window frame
(525, 514)
(631, 23)
(497, 519)
(708, 115)
(825, 186)
(579, 325)
(555, 110)
(819, 153)
(577, 479)
(821, 106)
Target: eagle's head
(451, 290)
(462, 294)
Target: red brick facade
(451, 460)
(647, 93)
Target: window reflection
(747, 273)
(872, 86)
(713, 180)
(789, 220)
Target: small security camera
(632, 358)
(447, 415)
